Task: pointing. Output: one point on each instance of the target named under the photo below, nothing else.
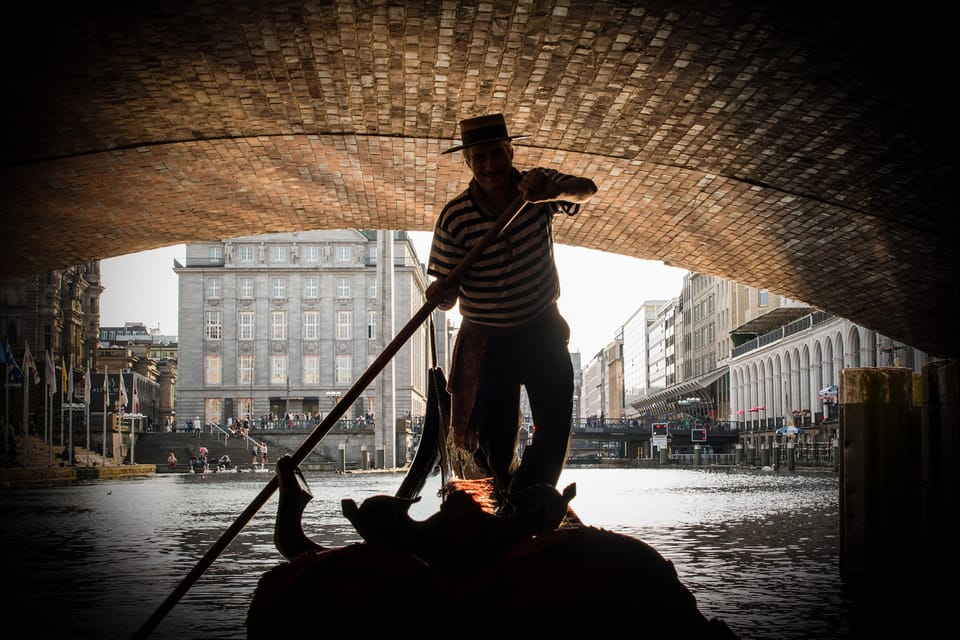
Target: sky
(598, 291)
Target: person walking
(512, 334)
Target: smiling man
(512, 334)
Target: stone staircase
(153, 448)
(39, 455)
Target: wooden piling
(879, 483)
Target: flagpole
(6, 407)
(70, 398)
(26, 406)
(48, 410)
(106, 403)
(48, 402)
(63, 391)
(6, 401)
(86, 400)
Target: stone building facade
(285, 324)
(57, 312)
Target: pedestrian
(255, 453)
(512, 334)
(263, 454)
(172, 461)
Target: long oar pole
(327, 423)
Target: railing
(345, 424)
(637, 426)
(727, 459)
(779, 333)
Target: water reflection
(759, 550)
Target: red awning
(761, 407)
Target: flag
(51, 373)
(86, 387)
(136, 396)
(7, 358)
(29, 365)
(123, 392)
(106, 394)
(70, 383)
(63, 375)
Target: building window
(278, 288)
(343, 287)
(311, 369)
(344, 253)
(245, 288)
(342, 369)
(311, 325)
(762, 297)
(278, 369)
(213, 288)
(311, 288)
(371, 325)
(214, 325)
(213, 410)
(344, 324)
(278, 325)
(213, 369)
(215, 253)
(245, 326)
(246, 253)
(245, 368)
(372, 287)
(278, 253)
(311, 253)
(371, 254)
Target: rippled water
(96, 559)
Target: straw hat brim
(460, 147)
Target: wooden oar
(453, 278)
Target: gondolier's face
(491, 164)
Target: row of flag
(29, 368)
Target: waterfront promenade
(42, 464)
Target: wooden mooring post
(898, 493)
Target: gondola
(463, 571)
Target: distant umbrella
(789, 430)
(829, 392)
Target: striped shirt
(515, 278)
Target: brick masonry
(800, 147)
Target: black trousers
(535, 356)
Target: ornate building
(57, 313)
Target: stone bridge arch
(798, 147)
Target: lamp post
(334, 396)
(287, 417)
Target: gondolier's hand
(538, 186)
(438, 294)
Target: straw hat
(482, 129)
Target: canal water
(758, 550)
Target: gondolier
(512, 334)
